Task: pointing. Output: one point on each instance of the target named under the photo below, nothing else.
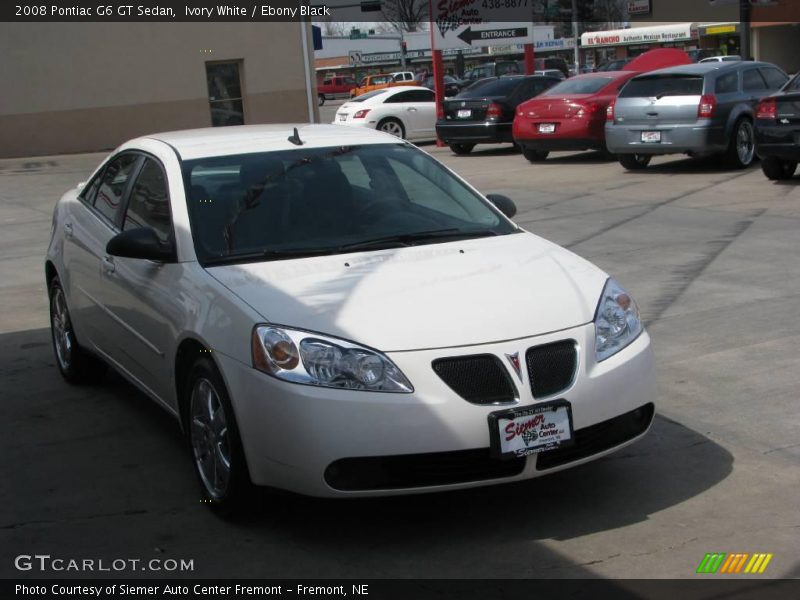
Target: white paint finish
(405, 299)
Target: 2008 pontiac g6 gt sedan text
(333, 312)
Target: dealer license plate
(343, 117)
(522, 431)
(464, 113)
(547, 127)
(651, 137)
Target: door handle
(412, 109)
(68, 230)
(107, 264)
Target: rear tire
(777, 169)
(77, 365)
(215, 445)
(741, 147)
(461, 148)
(393, 127)
(535, 156)
(634, 162)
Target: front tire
(321, 99)
(634, 162)
(393, 127)
(777, 169)
(535, 156)
(461, 148)
(742, 146)
(75, 364)
(215, 444)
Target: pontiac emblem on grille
(514, 360)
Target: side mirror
(141, 243)
(504, 204)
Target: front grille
(480, 379)
(600, 437)
(419, 470)
(551, 367)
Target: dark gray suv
(699, 110)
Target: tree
(405, 15)
(333, 28)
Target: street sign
(468, 36)
(382, 57)
(355, 57)
(478, 35)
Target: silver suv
(699, 109)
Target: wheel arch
(50, 272)
(188, 351)
(393, 117)
(741, 111)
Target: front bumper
(299, 438)
(474, 133)
(697, 138)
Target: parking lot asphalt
(711, 257)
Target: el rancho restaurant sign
(641, 35)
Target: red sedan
(572, 114)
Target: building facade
(78, 87)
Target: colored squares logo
(734, 563)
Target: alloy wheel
(745, 144)
(62, 329)
(393, 127)
(210, 439)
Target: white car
(405, 112)
(729, 58)
(334, 312)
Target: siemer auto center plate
(519, 432)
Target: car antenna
(295, 138)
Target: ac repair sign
(473, 24)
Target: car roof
(246, 139)
(604, 74)
(708, 67)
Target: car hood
(431, 296)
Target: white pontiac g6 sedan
(335, 313)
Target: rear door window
(727, 84)
(752, 81)
(113, 185)
(663, 85)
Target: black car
(777, 131)
(484, 112)
(493, 69)
(452, 86)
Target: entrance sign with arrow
(468, 36)
(477, 35)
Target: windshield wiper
(272, 254)
(408, 239)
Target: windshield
(322, 201)
(576, 85)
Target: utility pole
(744, 28)
(575, 36)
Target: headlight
(314, 359)
(616, 322)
